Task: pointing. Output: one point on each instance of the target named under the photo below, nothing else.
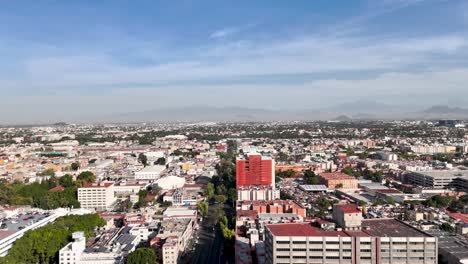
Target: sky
(78, 59)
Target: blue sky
(89, 57)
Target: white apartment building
(177, 233)
(76, 252)
(150, 173)
(170, 251)
(97, 196)
(255, 193)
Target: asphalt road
(210, 243)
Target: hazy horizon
(68, 61)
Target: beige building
(170, 251)
(257, 193)
(96, 196)
(347, 216)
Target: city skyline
(90, 59)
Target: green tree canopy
(142, 256)
(87, 177)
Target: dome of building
(170, 182)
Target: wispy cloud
(230, 31)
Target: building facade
(254, 169)
(304, 243)
(97, 197)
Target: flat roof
(371, 227)
(443, 173)
(312, 188)
(348, 208)
(336, 176)
(302, 229)
(459, 217)
(390, 228)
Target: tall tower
(254, 169)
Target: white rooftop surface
(155, 168)
(174, 212)
(170, 182)
(311, 188)
(445, 173)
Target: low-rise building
(150, 173)
(338, 180)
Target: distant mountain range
(360, 110)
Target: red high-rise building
(255, 170)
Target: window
(316, 242)
(316, 249)
(333, 257)
(299, 249)
(283, 249)
(299, 242)
(282, 242)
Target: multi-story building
(439, 179)
(254, 169)
(170, 250)
(272, 207)
(348, 216)
(96, 196)
(257, 193)
(111, 248)
(338, 180)
(384, 241)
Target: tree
(221, 189)
(221, 198)
(390, 201)
(283, 157)
(43, 244)
(447, 227)
(203, 208)
(143, 159)
(349, 170)
(47, 172)
(75, 166)
(66, 180)
(210, 190)
(177, 152)
(142, 194)
(142, 256)
(339, 186)
(87, 177)
(160, 161)
(232, 194)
